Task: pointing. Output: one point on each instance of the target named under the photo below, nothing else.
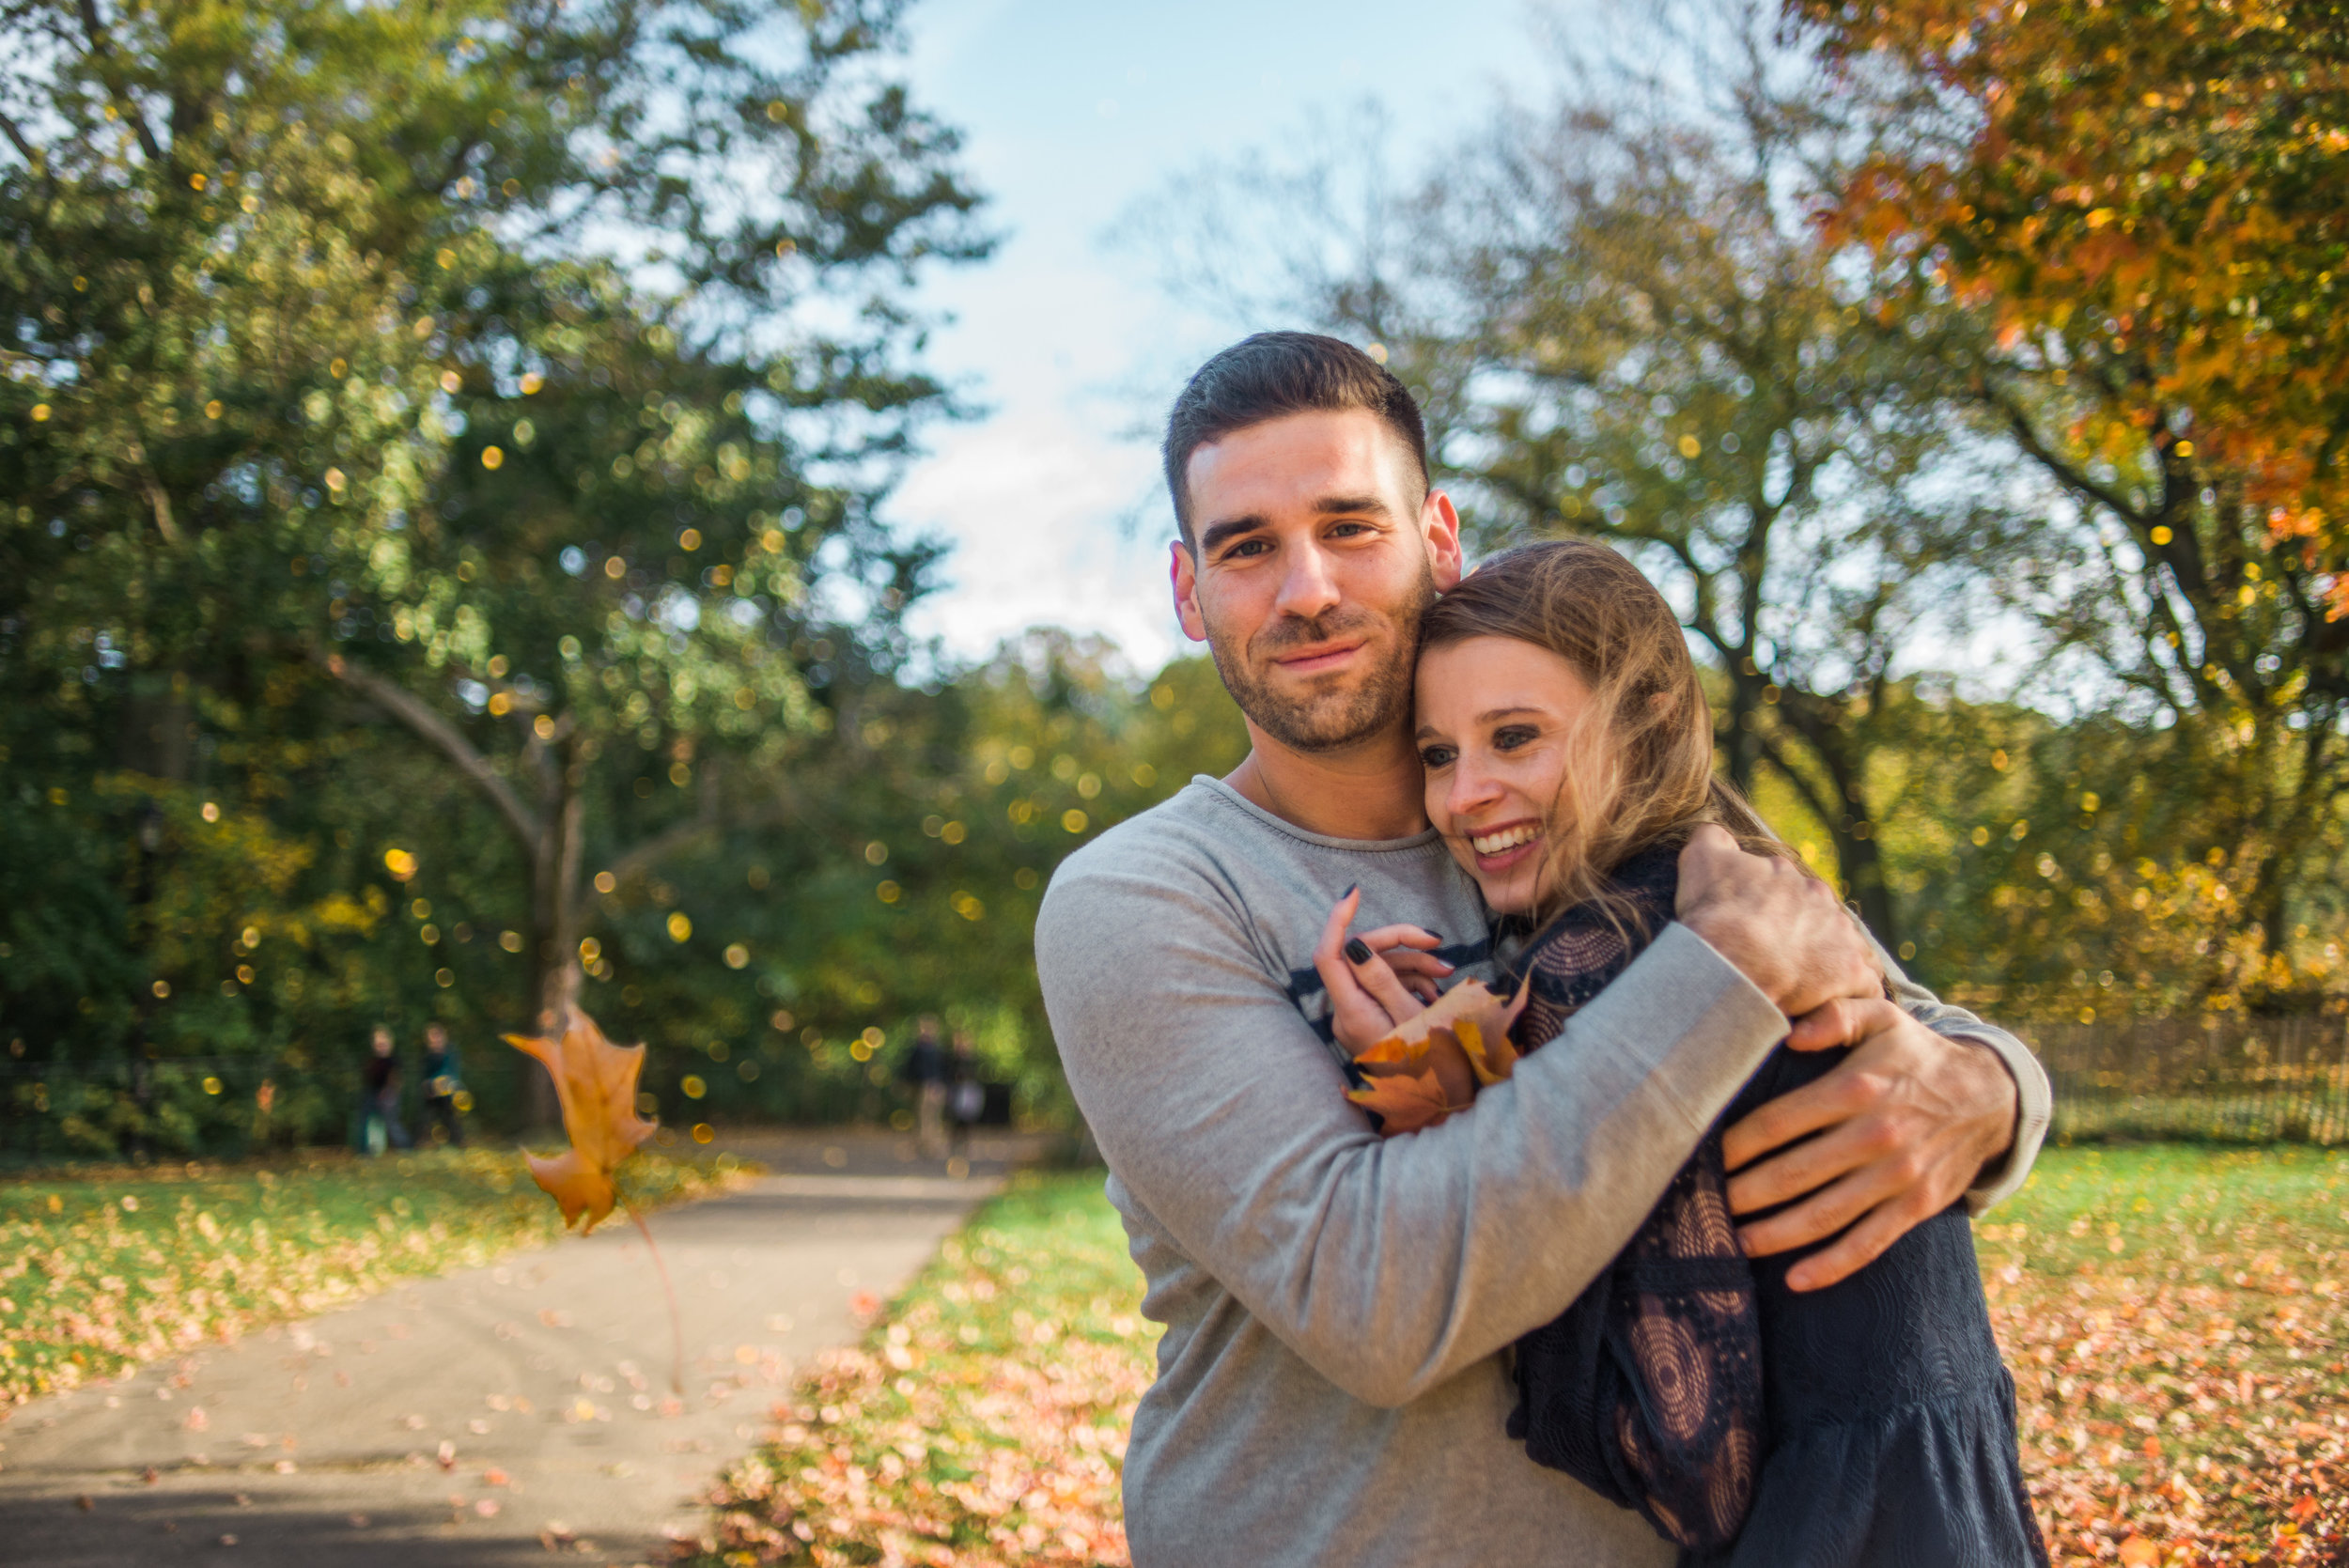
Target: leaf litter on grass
(101, 1269)
(2177, 1320)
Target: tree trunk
(1823, 727)
(1862, 861)
(554, 910)
(1740, 746)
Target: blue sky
(1073, 113)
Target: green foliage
(402, 417)
(943, 816)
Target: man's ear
(1439, 525)
(1185, 574)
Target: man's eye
(1436, 757)
(1246, 547)
(1348, 530)
(1510, 737)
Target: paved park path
(488, 1417)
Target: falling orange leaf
(2137, 1552)
(594, 1080)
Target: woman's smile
(1499, 849)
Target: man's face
(1317, 556)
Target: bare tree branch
(16, 139)
(102, 46)
(444, 737)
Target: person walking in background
(378, 1098)
(966, 1096)
(442, 1084)
(926, 1068)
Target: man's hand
(1904, 1125)
(1780, 925)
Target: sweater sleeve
(1387, 1264)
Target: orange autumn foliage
(1435, 1061)
(594, 1080)
(2145, 194)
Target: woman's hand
(1378, 979)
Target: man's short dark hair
(1272, 375)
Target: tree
(340, 337)
(2152, 190)
(2141, 204)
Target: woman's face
(1494, 718)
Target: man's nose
(1308, 590)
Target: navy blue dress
(1870, 1425)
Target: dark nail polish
(1438, 934)
(1357, 951)
(1348, 892)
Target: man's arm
(1931, 1104)
(1388, 1264)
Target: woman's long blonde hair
(1639, 771)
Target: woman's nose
(1471, 787)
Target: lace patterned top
(1871, 1423)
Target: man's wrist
(2001, 1114)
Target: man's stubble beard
(1338, 718)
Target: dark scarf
(1648, 1389)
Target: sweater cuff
(2034, 1109)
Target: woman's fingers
(1357, 1019)
(1386, 937)
(1378, 978)
(1417, 971)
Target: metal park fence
(2235, 1079)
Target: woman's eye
(1436, 757)
(1510, 737)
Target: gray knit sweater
(1331, 1388)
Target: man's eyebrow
(1369, 505)
(1216, 533)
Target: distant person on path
(926, 1068)
(442, 1084)
(379, 1097)
(965, 1099)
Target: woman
(1568, 752)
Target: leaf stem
(677, 1324)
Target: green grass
(2190, 1295)
(105, 1268)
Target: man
(926, 1068)
(442, 1086)
(379, 1097)
(1331, 1388)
